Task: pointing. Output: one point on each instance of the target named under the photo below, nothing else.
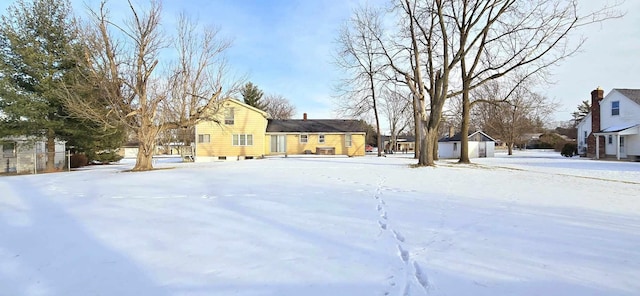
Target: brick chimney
(596, 97)
(304, 116)
(452, 131)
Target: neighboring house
(21, 155)
(612, 128)
(129, 149)
(480, 145)
(242, 131)
(402, 144)
(583, 130)
(529, 140)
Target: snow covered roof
(618, 128)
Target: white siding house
(480, 145)
(615, 124)
(584, 130)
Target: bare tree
(424, 28)
(123, 62)
(499, 37)
(396, 107)
(479, 41)
(278, 107)
(195, 79)
(358, 55)
(513, 111)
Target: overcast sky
(285, 47)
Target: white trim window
(615, 108)
(228, 116)
(242, 140)
(204, 138)
(321, 138)
(304, 138)
(347, 140)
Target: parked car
(368, 148)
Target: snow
(618, 128)
(534, 223)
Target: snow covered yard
(531, 224)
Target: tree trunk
(51, 151)
(428, 150)
(464, 129)
(417, 128)
(375, 111)
(147, 137)
(144, 160)
(434, 143)
(510, 148)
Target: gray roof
(315, 126)
(632, 94)
(478, 136)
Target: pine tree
(36, 45)
(252, 96)
(583, 109)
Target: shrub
(569, 150)
(552, 141)
(78, 160)
(107, 157)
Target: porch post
(597, 146)
(618, 146)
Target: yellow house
(241, 131)
(238, 130)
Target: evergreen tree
(583, 109)
(36, 52)
(252, 96)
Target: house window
(610, 139)
(321, 139)
(615, 108)
(204, 138)
(9, 149)
(304, 138)
(585, 136)
(455, 146)
(242, 140)
(347, 140)
(228, 116)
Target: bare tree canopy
(499, 38)
(358, 55)
(395, 105)
(447, 48)
(278, 107)
(514, 111)
(123, 62)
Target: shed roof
(458, 137)
(315, 126)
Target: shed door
(278, 144)
(482, 147)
